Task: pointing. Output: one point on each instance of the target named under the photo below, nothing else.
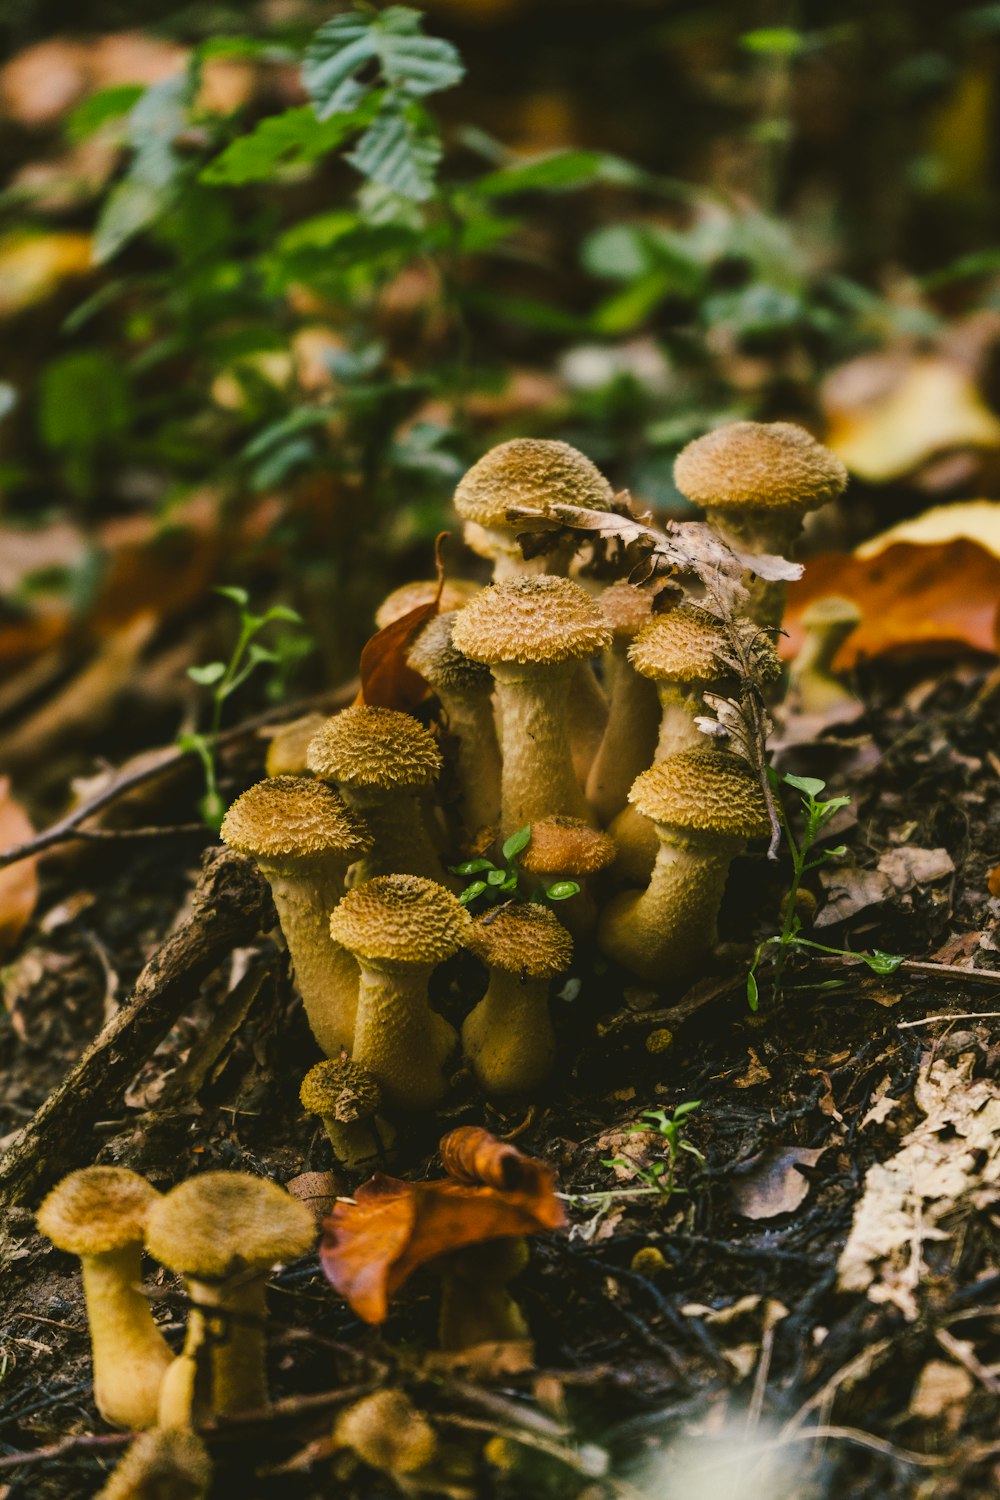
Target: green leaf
(561, 890)
(753, 994)
(83, 400)
(517, 842)
(687, 1108)
(773, 41)
(237, 595)
(292, 139)
(564, 169)
(472, 891)
(472, 867)
(284, 612)
(412, 64)
(99, 108)
(497, 877)
(882, 963)
(399, 151)
(257, 654)
(210, 673)
(149, 186)
(810, 785)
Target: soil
(693, 1361)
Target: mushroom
(304, 837)
(508, 1037)
(288, 744)
(476, 1305)
(410, 596)
(347, 1100)
(387, 1432)
(166, 1464)
(465, 690)
(629, 740)
(813, 686)
(399, 928)
(756, 481)
(530, 631)
(223, 1232)
(706, 805)
(99, 1214)
(567, 849)
(380, 760)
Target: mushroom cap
(705, 791)
(533, 472)
(540, 620)
(833, 610)
(166, 1461)
(97, 1210)
(567, 844)
(520, 939)
(445, 668)
(409, 596)
(338, 1089)
(288, 743)
(759, 466)
(626, 608)
(293, 817)
(375, 747)
(682, 645)
(218, 1223)
(400, 919)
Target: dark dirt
(628, 1360)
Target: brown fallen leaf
(387, 679)
(18, 883)
(899, 871)
(770, 1183)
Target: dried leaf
(18, 883)
(770, 1183)
(941, 1387)
(474, 1156)
(387, 679)
(850, 890)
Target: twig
(853, 1435)
(79, 1444)
(955, 1015)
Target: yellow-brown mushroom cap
(293, 817)
(439, 662)
(218, 1223)
(97, 1210)
(400, 919)
(410, 596)
(626, 608)
(704, 791)
(525, 940)
(532, 621)
(533, 472)
(567, 845)
(375, 747)
(166, 1461)
(338, 1089)
(759, 466)
(683, 645)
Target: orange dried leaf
(472, 1155)
(387, 679)
(18, 883)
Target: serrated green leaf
(399, 151)
(516, 842)
(413, 65)
(295, 138)
(149, 186)
(207, 675)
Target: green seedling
(661, 1176)
(500, 882)
(816, 815)
(222, 678)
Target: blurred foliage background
(257, 320)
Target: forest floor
(739, 1366)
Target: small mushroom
(508, 1037)
(629, 741)
(381, 760)
(304, 837)
(410, 596)
(814, 689)
(347, 1100)
(223, 1232)
(530, 632)
(756, 481)
(288, 744)
(99, 1214)
(399, 928)
(387, 1432)
(465, 690)
(565, 850)
(166, 1464)
(705, 805)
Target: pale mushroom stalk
(759, 531)
(508, 1038)
(476, 1305)
(813, 686)
(401, 840)
(538, 772)
(224, 1342)
(629, 742)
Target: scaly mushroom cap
(293, 817)
(567, 844)
(759, 466)
(704, 791)
(340, 1090)
(682, 645)
(538, 621)
(533, 472)
(626, 608)
(522, 940)
(410, 596)
(445, 668)
(401, 919)
(218, 1223)
(375, 747)
(97, 1210)
(164, 1462)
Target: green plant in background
(222, 678)
(499, 882)
(661, 1175)
(816, 815)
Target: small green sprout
(661, 1176)
(816, 815)
(499, 882)
(223, 678)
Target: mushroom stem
(398, 1037)
(401, 841)
(629, 739)
(510, 562)
(508, 1037)
(221, 1370)
(477, 760)
(476, 1307)
(130, 1354)
(748, 531)
(538, 775)
(813, 686)
(326, 975)
(587, 713)
(678, 731)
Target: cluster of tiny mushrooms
(364, 817)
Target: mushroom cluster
(561, 721)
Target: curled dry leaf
(474, 1156)
(18, 883)
(387, 679)
(771, 1183)
(373, 1243)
